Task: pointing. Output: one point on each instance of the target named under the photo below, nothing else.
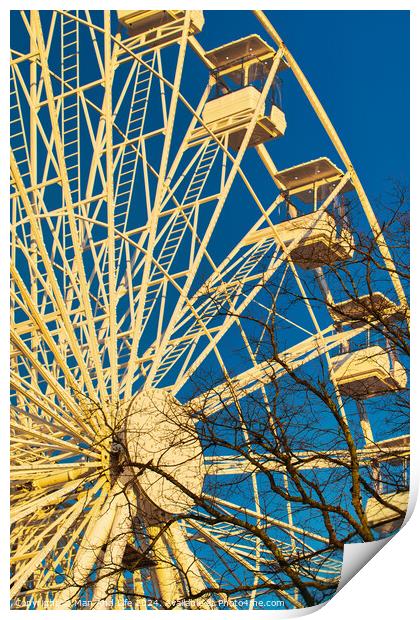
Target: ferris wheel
(129, 279)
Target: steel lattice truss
(120, 294)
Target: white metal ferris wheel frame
(29, 200)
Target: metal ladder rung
(70, 105)
(169, 249)
(144, 71)
(121, 205)
(194, 189)
(134, 122)
(70, 80)
(201, 172)
(67, 144)
(129, 161)
(177, 230)
(127, 171)
(208, 157)
(121, 184)
(68, 45)
(167, 252)
(68, 68)
(174, 236)
(67, 120)
(124, 193)
(165, 260)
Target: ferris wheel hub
(164, 450)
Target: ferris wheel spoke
(60, 559)
(26, 452)
(20, 140)
(188, 563)
(245, 545)
(46, 375)
(175, 226)
(68, 201)
(236, 580)
(50, 275)
(109, 267)
(260, 374)
(21, 472)
(305, 460)
(96, 535)
(68, 550)
(64, 523)
(92, 31)
(201, 318)
(214, 583)
(222, 287)
(173, 223)
(201, 323)
(130, 155)
(45, 500)
(32, 396)
(57, 426)
(53, 440)
(41, 330)
(254, 478)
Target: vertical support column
(368, 437)
(188, 564)
(96, 535)
(392, 354)
(290, 520)
(324, 288)
(120, 597)
(291, 209)
(139, 599)
(166, 573)
(111, 572)
(364, 422)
